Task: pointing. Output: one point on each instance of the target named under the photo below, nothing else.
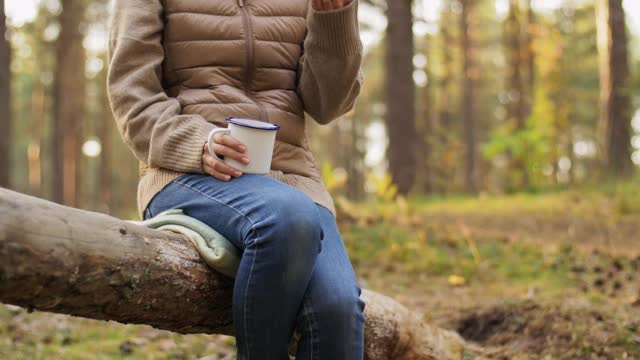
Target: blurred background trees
(69, 104)
(460, 96)
(5, 110)
(400, 94)
(615, 94)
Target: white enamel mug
(258, 136)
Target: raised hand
(330, 4)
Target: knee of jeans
(296, 219)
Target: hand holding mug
(330, 4)
(223, 145)
(245, 146)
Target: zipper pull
(241, 3)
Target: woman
(177, 70)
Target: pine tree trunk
(104, 134)
(5, 103)
(615, 103)
(468, 96)
(516, 46)
(69, 103)
(400, 94)
(444, 126)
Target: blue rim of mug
(236, 121)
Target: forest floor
(541, 276)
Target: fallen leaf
(455, 280)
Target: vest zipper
(251, 64)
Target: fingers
(216, 174)
(230, 141)
(228, 152)
(217, 168)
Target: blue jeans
(294, 271)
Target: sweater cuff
(334, 30)
(184, 153)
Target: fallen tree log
(64, 260)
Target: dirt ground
(523, 326)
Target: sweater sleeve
(149, 121)
(329, 74)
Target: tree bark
(5, 103)
(69, 103)
(469, 74)
(400, 94)
(615, 102)
(71, 261)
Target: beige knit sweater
(159, 116)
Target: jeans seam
(246, 295)
(245, 216)
(308, 312)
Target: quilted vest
(239, 58)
